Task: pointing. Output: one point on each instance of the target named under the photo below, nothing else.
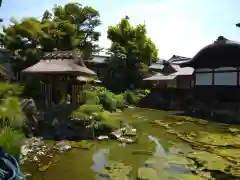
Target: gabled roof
(178, 59)
(159, 64)
(59, 62)
(174, 61)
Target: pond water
(156, 141)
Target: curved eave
(216, 55)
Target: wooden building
(60, 75)
(216, 72)
(97, 64)
(170, 75)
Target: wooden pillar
(238, 76)
(78, 93)
(73, 93)
(50, 92)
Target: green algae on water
(84, 144)
(147, 174)
(43, 168)
(116, 171)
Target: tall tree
(67, 27)
(85, 19)
(132, 51)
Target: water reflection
(99, 160)
(159, 148)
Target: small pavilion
(59, 72)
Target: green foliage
(7, 89)
(87, 109)
(11, 141)
(102, 96)
(107, 120)
(11, 118)
(107, 102)
(133, 97)
(11, 113)
(95, 117)
(120, 101)
(92, 98)
(67, 27)
(132, 51)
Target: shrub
(86, 110)
(91, 98)
(107, 102)
(11, 113)
(10, 89)
(106, 120)
(133, 97)
(130, 97)
(11, 141)
(120, 102)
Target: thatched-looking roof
(60, 62)
(221, 53)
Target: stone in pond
(234, 130)
(62, 146)
(145, 173)
(130, 132)
(102, 137)
(116, 134)
(125, 140)
(80, 144)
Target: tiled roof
(59, 55)
(178, 59)
(181, 72)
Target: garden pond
(168, 146)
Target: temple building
(211, 76)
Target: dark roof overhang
(221, 53)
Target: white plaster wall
(225, 78)
(203, 78)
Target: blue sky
(180, 27)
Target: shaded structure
(59, 72)
(98, 63)
(215, 66)
(212, 81)
(170, 75)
